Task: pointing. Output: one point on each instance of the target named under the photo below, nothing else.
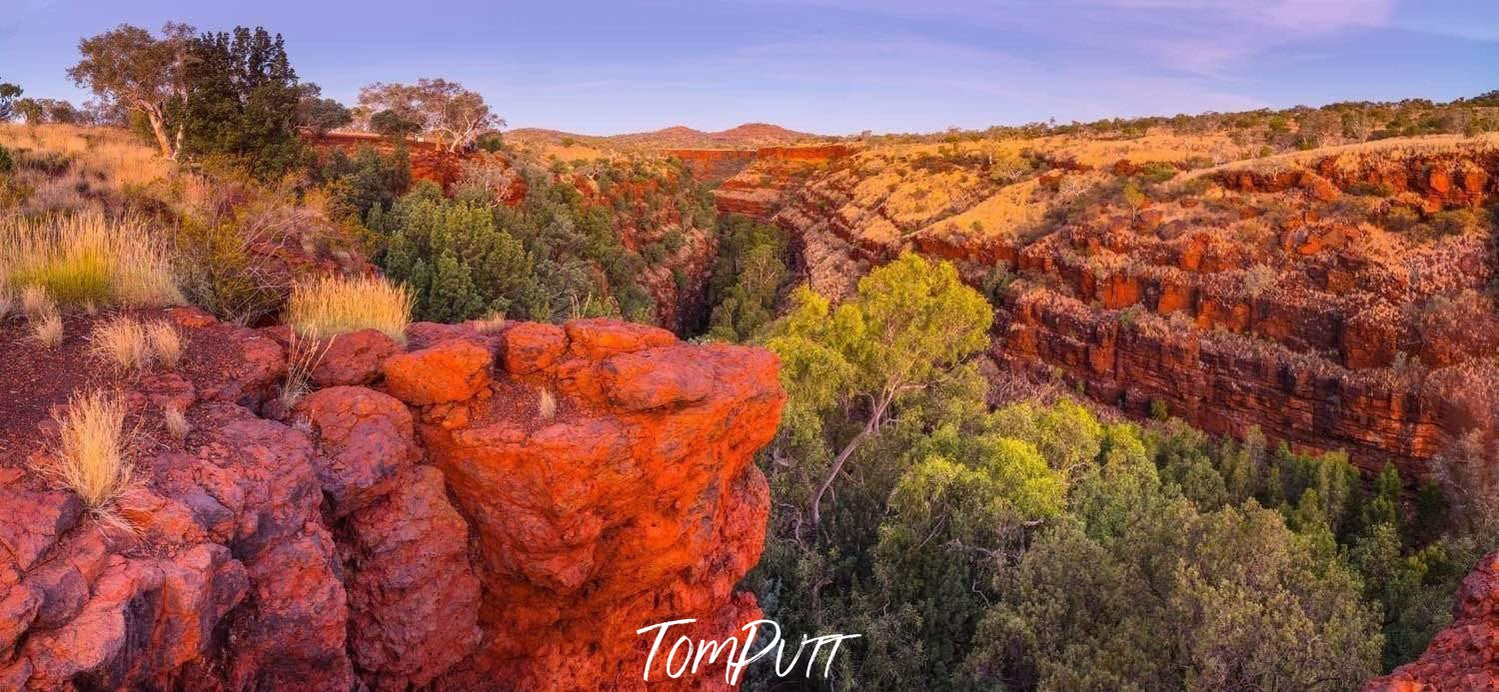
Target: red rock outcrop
(461, 538)
(1465, 656)
(601, 471)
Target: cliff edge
(500, 504)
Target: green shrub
(7, 164)
(1401, 218)
(220, 275)
(455, 262)
(1157, 172)
(366, 180)
(747, 278)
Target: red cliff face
(1342, 302)
(759, 189)
(754, 182)
(1465, 656)
(428, 522)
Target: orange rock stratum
(481, 509)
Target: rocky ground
(1465, 656)
(417, 520)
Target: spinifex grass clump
(87, 258)
(92, 456)
(130, 345)
(122, 343)
(331, 305)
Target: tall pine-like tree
(240, 101)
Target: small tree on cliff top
(128, 66)
(456, 116)
(911, 323)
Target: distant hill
(746, 136)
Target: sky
(828, 66)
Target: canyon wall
(753, 182)
(477, 509)
(1253, 297)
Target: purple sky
(834, 66)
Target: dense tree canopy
(240, 100)
(745, 287)
(1035, 546)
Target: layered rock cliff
(1337, 301)
(476, 509)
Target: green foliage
(863, 449)
(241, 101)
(7, 164)
(1157, 172)
(551, 258)
(1035, 547)
(218, 273)
(1144, 588)
(454, 260)
(747, 278)
(996, 283)
(319, 114)
(1133, 196)
(491, 142)
(394, 124)
(364, 181)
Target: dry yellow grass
(302, 357)
(86, 257)
(7, 303)
(93, 455)
(1396, 147)
(47, 328)
(175, 422)
(122, 343)
(546, 404)
(166, 343)
(35, 301)
(333, 305)
(115, 153)
(490, 323)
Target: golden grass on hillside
(87, 257)
(116, 154)
(1394, 147)
(7, 303)
(92, 457)
(333, 305)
